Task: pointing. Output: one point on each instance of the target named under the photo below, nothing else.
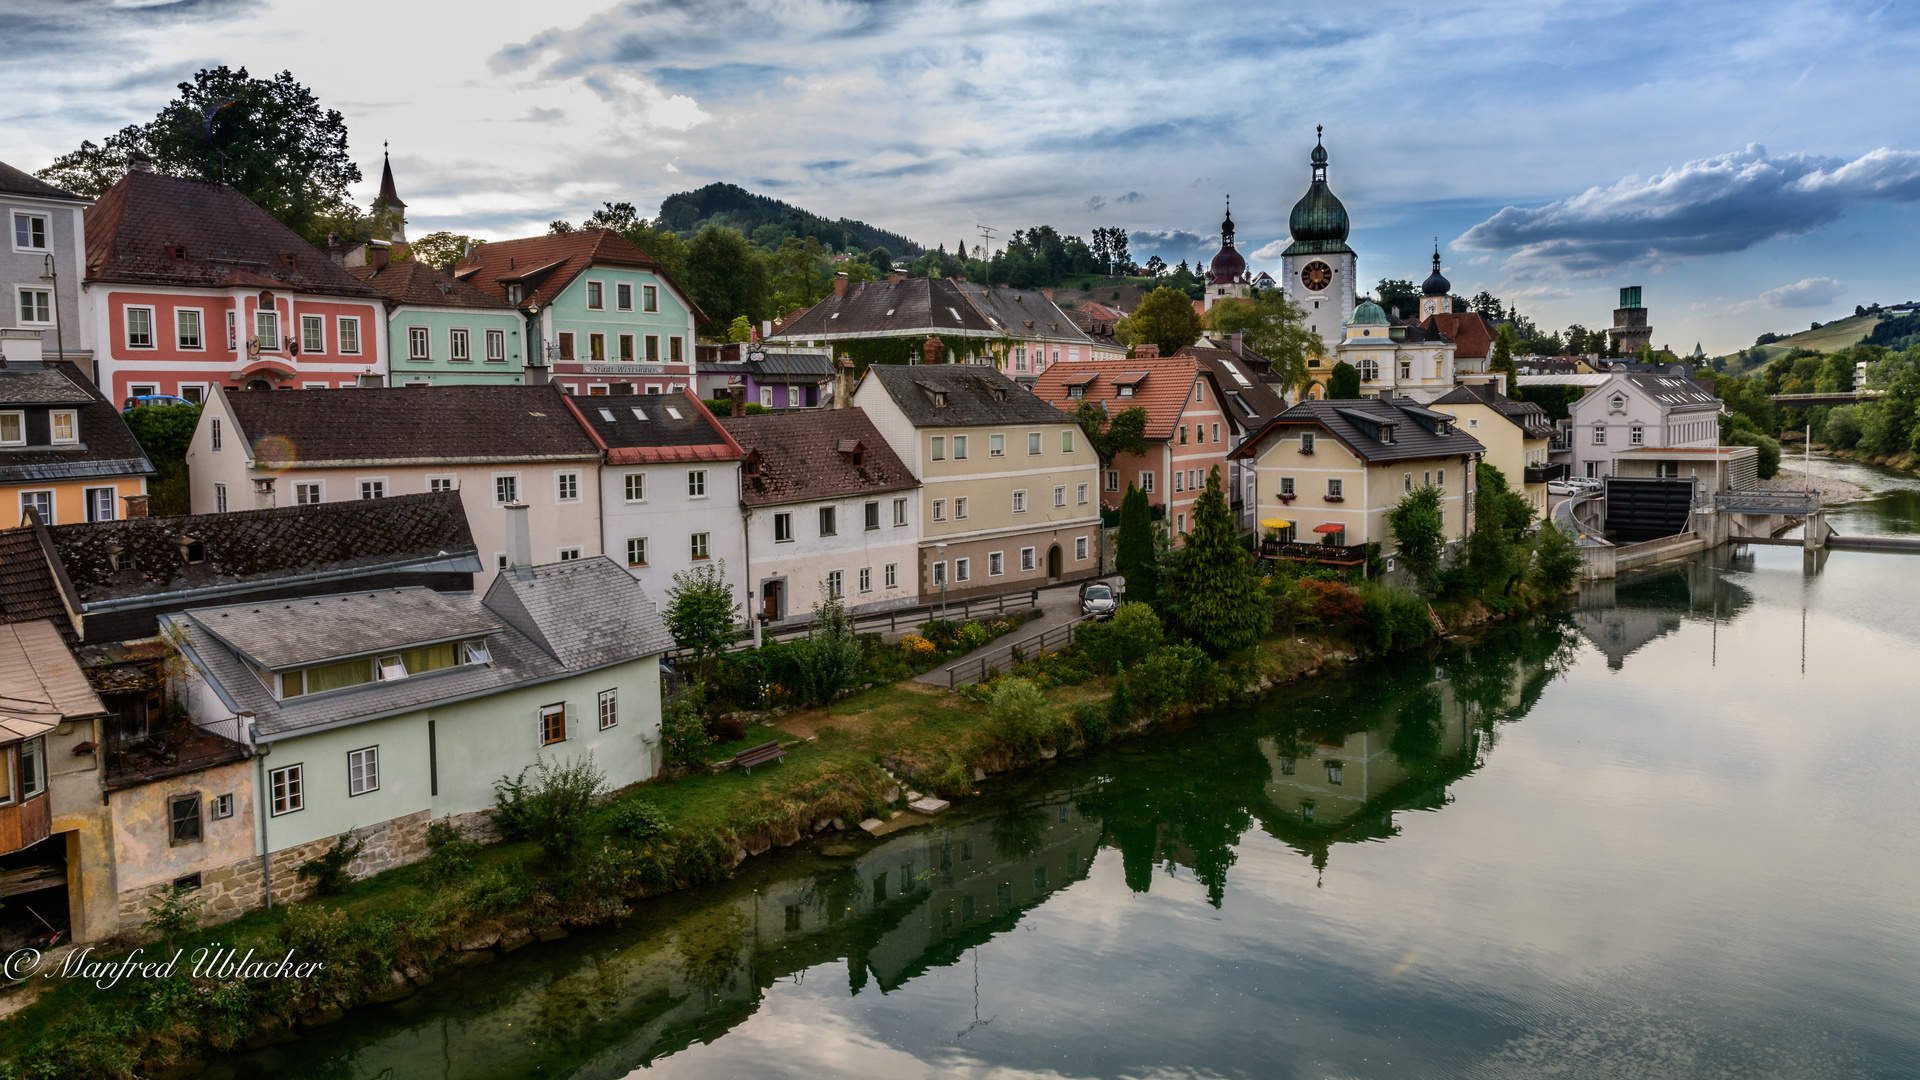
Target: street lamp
(940, 550)
(59, 336)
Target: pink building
(192, 286)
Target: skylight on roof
(607, 415)
(889, 311)
(956, 314)
(637, 414)
(1237, 377)
(673, 412)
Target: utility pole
(987, 234)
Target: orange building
(68, 454)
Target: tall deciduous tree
(701, 611)
(1273, 326)
(1165, 318)
(1133, 555)
(1112, 436)
(1418, 530)
(270, 140)
(1221, 602)
(724, 276)
(1343, 383)
(651, 237)
(441, 248)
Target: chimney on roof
(843, 383)
(378, 252)
(263, 493)
(1146, 350)
(519, 542)
(737, 394)
(136, 506)
(1046, 291)
(840, 281)
(896, 276)
(139, 161)
(1234, 343)
(933, 352)
(336, 249)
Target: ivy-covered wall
(868, 351)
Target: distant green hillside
(1836, 335)
(768, 221)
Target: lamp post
(940, 550)
(53, 275)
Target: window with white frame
(1080, 495)
(1020, 501)
(609, 709)
(139, 328)
(959, 448)
(186, 329)
(1059, 495)
(626, 348)
(233, 331)
(836, 584)
(496, 346)
(939, 509)
(41, 503)
(566, 486)
(443, 483)
(783, 528)
(363, 770)
(892, 575)
(266, 327)
(288, 789)
(699, 545)
(1636, 436)
(29, 231)
(347, 335)
(962, 570)
(100, 504)
(636, 551)
(623, 295)
(899, 511)
(419, 343)
(960, 508)
(636, 487)
(1026, 558)
(1113, 480)
(996, 446)
(306, 494)
(996, 563)
(506, 488)
(569, 554)
(313, 334)
(696, 483)
(457, 347)
(653, 353)
(1599, 435)
(63, 426)
(1286, 485)
(1066, 441)
(1146, 481)
(1079, 549)
(553, 724)
(939, 573)
(213, 434)
(866, 579)
(373, 489)
(1033, 442)
(219, 498)
(1335, 489)
(36, 306)
(937, 448)
(829, 521)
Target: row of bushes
(790, 673)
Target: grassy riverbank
(384, 937)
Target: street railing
(999, 659)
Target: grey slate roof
(976, 395)
(1364, 425)
(106, 447)
(15, 182)
(1023, 313)
(879, 309)
(265, 547)
(1529, 416)
(1673, 391)
(571, 618)
(418, 424)
(282, 634)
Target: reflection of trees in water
(709, 943)
(1417, 732)
(1019, 833)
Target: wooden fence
(1005, 656)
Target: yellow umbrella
(1275, 523)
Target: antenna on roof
(987, 235)
(210, 114)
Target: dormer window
(939, 399)
(118, 559)
(752, 464)
(176, 251)
(64, 426)
(13, 429)
(513, 294)
(192, 550)
(289, 260)
(1125, 391)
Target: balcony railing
(1542, 474)
(1328, 554)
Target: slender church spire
(389, 213)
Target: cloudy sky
(1752, 165)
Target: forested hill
(768, 221)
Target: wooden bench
(759, 755)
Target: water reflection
(1621, 616)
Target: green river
(1668, 832)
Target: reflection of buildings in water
(915, 901)
(1619, 632)
(1622, 615)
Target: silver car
(1097, 601)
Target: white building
(1635, 412)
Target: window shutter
(573, 722)
(539, 730)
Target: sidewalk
(1059, 605)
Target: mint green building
(443, 331)
(379, 712)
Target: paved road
(1059, 606)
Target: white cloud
(1710, 206)
(1810, 292)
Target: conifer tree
(1133, 548)
(1221, 602)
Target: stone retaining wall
(388, 844)
(228, 891)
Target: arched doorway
(258, 384)
(1054, 560)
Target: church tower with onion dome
(1227, 274)
(1436, 293)
(1318, 269)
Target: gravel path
(1831, 490)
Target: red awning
(1329, 527)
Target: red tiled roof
(546, 265)
(1162, 386)
(150, 229)
(1472, 335)
(807, 454)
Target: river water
(1669, 832)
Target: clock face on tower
(1316, 275)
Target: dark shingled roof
(639, 428)
(586, 613)
(799, 456)
(250, 546)
(1363, 424)
(106, 446)
(904, 308)
(1254, 399)
(1023, 313)
(545, 265)
(224, 241)
(15, 182)
(421, 424)
(421, 285)
(976, 395)
(32, 583)
(1530, 416)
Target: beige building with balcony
(1008, 498)
(1515, 433)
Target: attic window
(753, 464)
(607, 415)
(445, 287)
(477, 653)
(835, 315)
(939, 399)
(673, 412)
(637, 414)
(889, 311)
(289, 260)
(999, 393)
(177, 251)
(392, 668)
(192, 550)
(513, 294)
(118, 559)
(1076, 392)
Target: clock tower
(1318, 268)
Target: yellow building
(1394, 356)
(1515, 434)
(69, 455)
